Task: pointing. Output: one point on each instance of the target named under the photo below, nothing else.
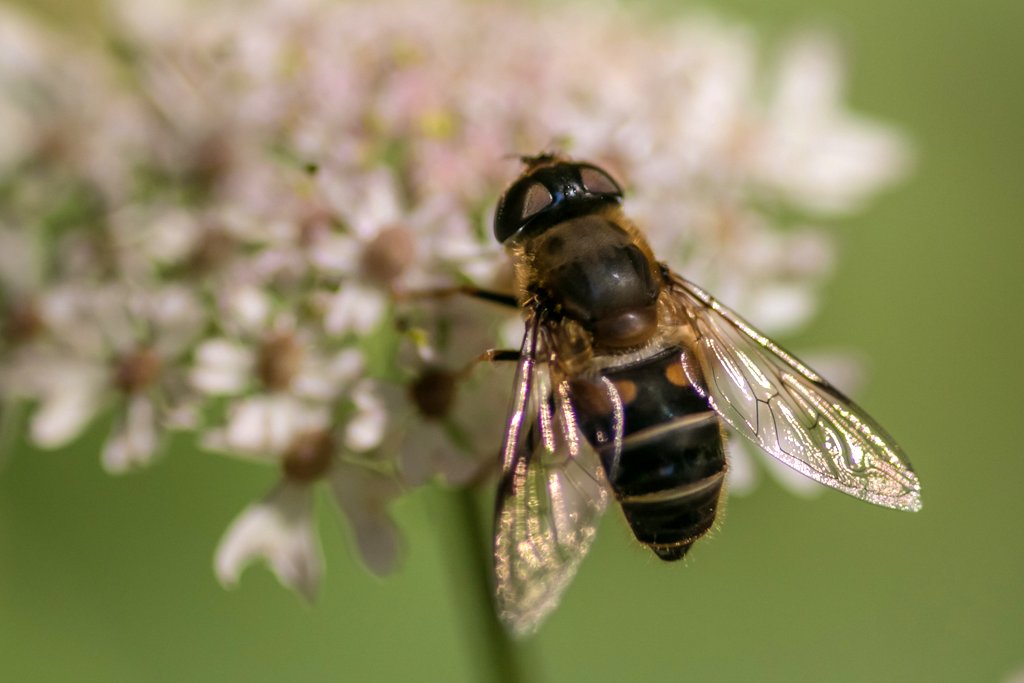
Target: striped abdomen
(671, 464)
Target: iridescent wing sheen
(550, 499)
(789, 411)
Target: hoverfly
(625, 375)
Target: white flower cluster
(209, 225)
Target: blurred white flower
(280, 528)
(266, 349)
(109, 346)
(810, 148)
(449, 424)
(227, 216)
(388, 246)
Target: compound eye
(535, 199)
(521, 202)
(597, 181)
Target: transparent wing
(550, 499)
(784, 407)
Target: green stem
(469, 554)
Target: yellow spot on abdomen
(626, 389)
(675, 374)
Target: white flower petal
(845, 370)
(280, 531)
(346, 365)
(355, 308)
(66, 311)
(337, 254)
(323, 379)
(222, 367)
(781, 307)
(177, 318)
(416, 460)
(363, 496)
(134, 441)
(415, 465)
(428, 451)
(267, 425)
(365, 430)
(743, 475)
(183, 416)
(511, 333)
(249, 306)
(791, 480)
(172, 235)
(314, 384)
(62, 414)
(368, 202)
(825, 158)
(455, 467)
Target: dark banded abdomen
(671, 466)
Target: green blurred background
(107, 578)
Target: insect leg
(499, 356)
(459, 290)
(490, 356)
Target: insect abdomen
(670, 467)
